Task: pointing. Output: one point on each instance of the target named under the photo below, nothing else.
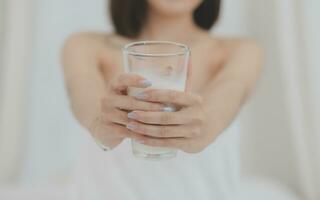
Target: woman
(224, 70)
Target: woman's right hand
(109, 128)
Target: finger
(129, 80)
(175, 131)
(160, 118)
(169, 96)
(116, 116)
(130, 103)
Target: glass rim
(185, 51)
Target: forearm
(85, 100)
(85, 82)
(86, 88)
(222, 102)
(230, 88)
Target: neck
(170, 28)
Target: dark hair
(129, 16)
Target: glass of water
(165, 64)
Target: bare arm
(84, 81)
(226, 93)
(100, 105)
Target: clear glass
(165, 64)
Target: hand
(184, 129)
(109, 128)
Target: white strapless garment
(117, 175)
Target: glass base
(146, 156)
(146, 152)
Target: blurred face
(173, 7)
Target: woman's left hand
(184, 129)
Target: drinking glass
(165, 64)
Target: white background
(273, 121)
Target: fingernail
(146, 83)
(131, 126)
(168, 109)
(141, 96)
(132, 115)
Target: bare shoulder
(83, 41)
(241, 53)
(89, 42)
(81, 47)
(231, 46)
(88, 46)
(242, 47)
(243, 59)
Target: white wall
(2, 13)
(267, 148)
(18, 28)
(51, 126)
